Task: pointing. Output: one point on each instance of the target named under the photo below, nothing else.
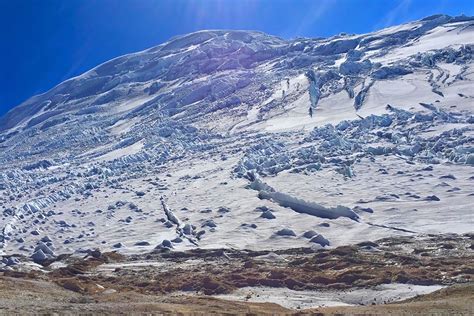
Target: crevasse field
(206, 141)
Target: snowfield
(207, 141)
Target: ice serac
(267, 192)
(390, 138)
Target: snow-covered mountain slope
(217, 125)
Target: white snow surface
(389, 148)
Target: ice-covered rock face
(183, 64)
(211, 71)
(87, 162)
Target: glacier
(155, 148)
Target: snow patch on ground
(387, 293)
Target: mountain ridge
(9, 116)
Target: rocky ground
(187, 282)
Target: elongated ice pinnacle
(298, 205)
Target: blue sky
(44, 42)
